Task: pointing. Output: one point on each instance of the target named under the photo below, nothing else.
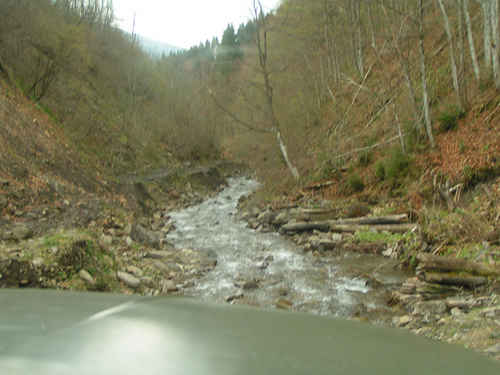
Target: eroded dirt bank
(107, 242)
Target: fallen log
(428, 262)
(392, 228)
(373, 220)
(456, 279)
(317, 214)
(392, 223)
(302, 226)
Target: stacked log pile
(391, 223)
(439, 277)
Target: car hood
(52, 332)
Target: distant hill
(155, 48)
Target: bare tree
(423, 72)
(453, 63)
(495, 42)
(470, 36)
(486, 9)
(261, 40)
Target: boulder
(87, 277)
(146, 237)
(401, 321)
(266, 217)
(168, 286)
(284, 304)
(281, 219)
(128, 279)
(136, 271)
(430, 307)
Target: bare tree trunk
(470, 36)
(423, 72)
(372, 26)
(486, 8)
(454, 72)
(495, 43)
(360, 45)
(262, 41)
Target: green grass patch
(448, 119)
(381, 237)
(355, 183)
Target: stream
(268, 270)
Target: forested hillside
(353, 93)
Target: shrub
(365, 158)
(380, 171)
(355, 183)
(448, 120)
(397, 165)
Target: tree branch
(241, 122)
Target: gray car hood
(51, 332)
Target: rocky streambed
(286, 258)
(258, 266)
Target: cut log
(431, 290)
(393, 224)
(428, 262)
(374, 220)
(451, 278)
(323, 226)
(392, 228)
(317, 214)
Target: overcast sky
(183, 23)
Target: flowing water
(265, 269)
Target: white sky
(184, 23)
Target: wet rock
(148, 281)
(245, 215)
(87, 277)
(168, 286)
(136, 271)
(267, 261)
(266, 217)
(283, 304)
(233, 298)
(434, 308)
(146, 237)
(250, 285)
(128, 279)
(281, 219)
(401, 321)
(493, 350)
